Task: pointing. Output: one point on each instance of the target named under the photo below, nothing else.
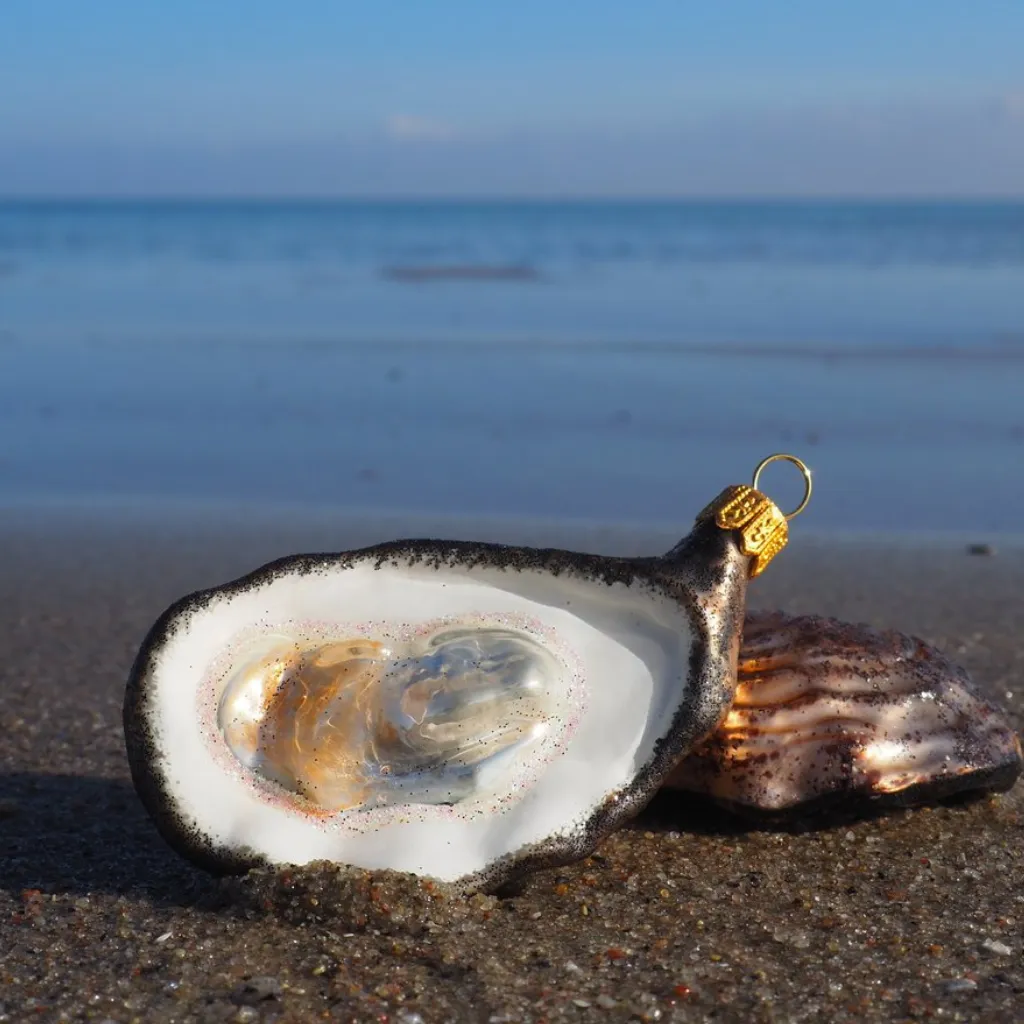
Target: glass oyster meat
(367, 722)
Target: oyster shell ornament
(828, 714)
(459, 710)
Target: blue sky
(584, 97)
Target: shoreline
(104, 512)
(683, 914)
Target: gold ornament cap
(763, 527)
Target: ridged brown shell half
(831, 713)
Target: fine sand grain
(686, 915)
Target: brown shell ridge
(831, 712)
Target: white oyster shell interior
(422, 719)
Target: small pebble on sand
(955, 985)
(997, 947)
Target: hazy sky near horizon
(463, 97)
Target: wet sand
(686, 915)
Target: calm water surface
(610, 361)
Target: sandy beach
(686, 915)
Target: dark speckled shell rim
(705, 573)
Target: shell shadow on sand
(77, 835)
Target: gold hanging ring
(804, 472)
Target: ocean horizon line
(509, 199)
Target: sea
(608, 362)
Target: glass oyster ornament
(459, 710)
(831, 714)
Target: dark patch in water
(460, 272)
